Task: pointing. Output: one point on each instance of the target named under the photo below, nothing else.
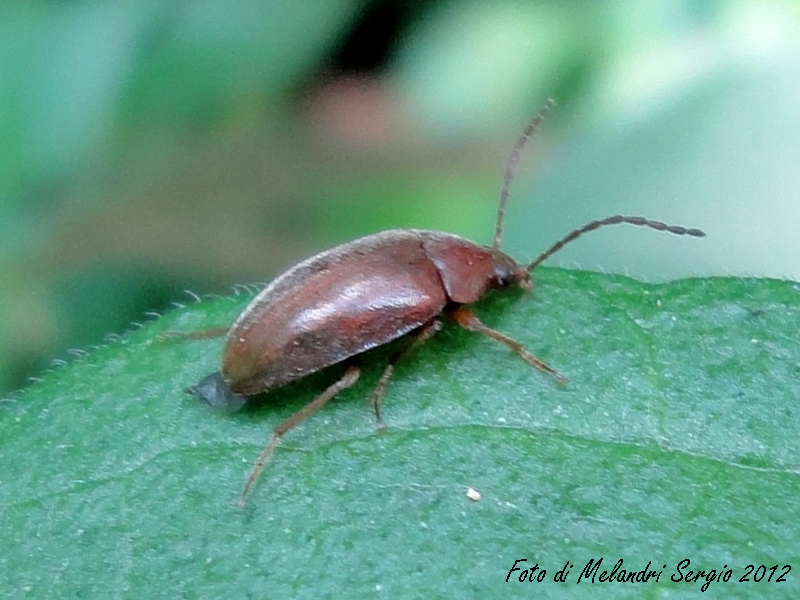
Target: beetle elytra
(336, 305)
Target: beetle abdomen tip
(214, 390)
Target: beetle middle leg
(350, 376)
(421, 335)
(468, 320)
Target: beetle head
(508, 272)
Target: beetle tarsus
(468, 320)
(422, 335)
(348, 379)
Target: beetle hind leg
(349, 378)
(421, 335)
(204, 334)
(468, 320)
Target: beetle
(334, 306)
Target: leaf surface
(676, 437)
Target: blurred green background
(150, 148)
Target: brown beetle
(342, 302)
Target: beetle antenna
(615, 220)
(511, 166)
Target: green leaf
(677, 437)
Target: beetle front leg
(348, 379)
(421, 335)
(468, 320)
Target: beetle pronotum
(342, 302)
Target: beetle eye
(502, 276)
